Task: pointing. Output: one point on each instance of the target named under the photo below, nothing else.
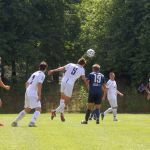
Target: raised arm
(56, 70)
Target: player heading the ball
(72, 73)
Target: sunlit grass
(131, 132)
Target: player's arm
(56, 70)
(39, 90)
(147, 90)
(86, 81)
(4, 86)
(119, 93)
(104, 89)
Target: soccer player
(96, 81)
(33, 95)
(2, 85)
(112, 96)
(148, 90)
(72, 73)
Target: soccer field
(131, 132)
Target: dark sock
(87, 115)
(97, 112)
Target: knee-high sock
(20, 116)
(114, 112)
(35, 116)
(62, 104)
(108, 111)
(97, 112)
(87, 115)
(61, 107)
(92, 114)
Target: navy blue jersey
(96, 80)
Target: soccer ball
(90, 53)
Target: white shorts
(66, 89)
(32, 102)
(113, 101)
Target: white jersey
(35, 78)
(112, 89)
(73, 72)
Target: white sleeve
(108, 84)
(83, 72)
(67, 66)
(30, 79)
(41, 78)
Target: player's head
(112, 75)
(96, 67)
(43, 66)
(82, 61)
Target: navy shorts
(95, 98)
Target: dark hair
(43, 65)
(81, 61)
(96, 67)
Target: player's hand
(0, 103)
(121, 95)
(7, 87)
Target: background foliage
(60, 31)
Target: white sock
(114, 113)
(35, 116)
(62, 105)
(108, 111)
(58, 109)
(20, 116)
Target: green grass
(131, 132)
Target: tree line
(60, 31)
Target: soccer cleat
(62, 117)
(115, 119)
(84, 122)
(14, 124)
(53, 114)
(31, 124)
(94, 117)
(90, 118)
(102, 116)
(97, 121)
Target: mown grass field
(131, 132)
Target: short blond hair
(96, 67)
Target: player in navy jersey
(96, 82)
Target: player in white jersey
(72, 73)
(112, 93)
(33, 95)
(6, 87)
